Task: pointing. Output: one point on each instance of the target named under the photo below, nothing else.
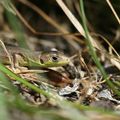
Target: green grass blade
(92, 51)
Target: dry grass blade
(75, 22)
(6, 51)
(110, 45)
(8, 5)
(114, 12)
(115, 62)
(54, 24)
(40, 33)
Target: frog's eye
(54, 58)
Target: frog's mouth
(48, 63)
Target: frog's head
(53, 58)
